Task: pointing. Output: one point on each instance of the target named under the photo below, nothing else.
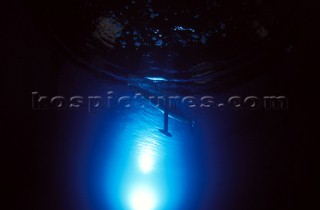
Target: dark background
(36, 143)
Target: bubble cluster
(150, 35)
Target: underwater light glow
(146, 162)
(146, 156)
(143, 198)
(145, 171)
(156, 78)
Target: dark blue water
(122, 161)
(116, 158)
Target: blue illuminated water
(134, 166)
(116, 158)
(149, 163)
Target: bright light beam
(146, 160)
(143, 198)
(156, 78)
